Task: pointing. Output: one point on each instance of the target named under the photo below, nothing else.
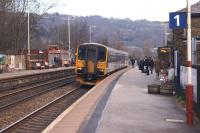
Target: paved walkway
(30, 72)
(130, 109)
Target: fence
(195, 83)
(181, 73)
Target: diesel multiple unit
(94, 61)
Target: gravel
(13, 114)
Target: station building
(54, 56)
(51, 57)
(179, 36)
(179, 43)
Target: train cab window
(101, 54)
(81, 53)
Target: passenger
(56, 61)
(151, 64)
(132, 62)
(141, 65)
(170, 73)
(147, 65)
(157, 67)
(138, 63)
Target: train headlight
(102, 70)
(79, 68)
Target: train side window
(110, 58)
(81, 53)
(101, 54)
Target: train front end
(91, 63)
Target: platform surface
(73, 119)
(30, 72)
(130, 109)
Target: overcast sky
(154, 10)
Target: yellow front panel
(102, 66)
(80, 64)
(90, 65)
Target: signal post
(189, 86)
(181, 20)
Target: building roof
(195, 8)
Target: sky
(153, 10)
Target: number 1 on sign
(177, 17)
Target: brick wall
(180, 37)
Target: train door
(91, 56)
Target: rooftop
(195, 8)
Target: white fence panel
(183, 80)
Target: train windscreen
(81, 53)
(101, 54)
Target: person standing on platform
(141, 65)
(132, 62)
(157, 67)
(146, 65)
(151, 63)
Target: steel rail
(36, 112)
(57, 84)
(40, 77)
(30, 87)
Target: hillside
(130, 33)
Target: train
(94, 61)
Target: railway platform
(23, 73)
(124, 106)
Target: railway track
(38, 120)
(24, 94)
(38, 80)
(10, 92)
(10, 82)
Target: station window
(101, 54)
(81, 53)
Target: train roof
(109, 48)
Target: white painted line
(175, 120)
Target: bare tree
(79, 31)
(13, 24)
(4, 24)
(103, 41)
(116, 42)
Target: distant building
(38, 58)
(55, 52)
(54, 56)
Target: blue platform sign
(178, 20)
